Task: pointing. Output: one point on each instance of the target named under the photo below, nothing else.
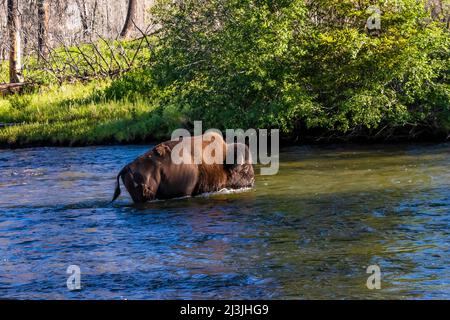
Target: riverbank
(117, 138)
(78, 115)
(86, 114)
(268, 67)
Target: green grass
(4, 72)
(82, 113)
(79, 114)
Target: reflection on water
(308, 232)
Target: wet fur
(154, 176)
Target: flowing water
(310, 231)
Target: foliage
(291, 63)
(4, 72)
(301, 66)
(19, 102)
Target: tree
(131, 15)
(13, 25)
(304, 65)
(83, 16)
(42, 28)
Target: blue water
(308, 232)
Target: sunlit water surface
(309, 232)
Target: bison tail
(117, 190)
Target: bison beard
(154, 175)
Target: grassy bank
(89, 114)
(79, 115)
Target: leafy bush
(291, 64)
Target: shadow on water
(308, 232)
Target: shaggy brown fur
(154, 175)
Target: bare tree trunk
(83, 16)
(131, 16)
(94, 12)
(14, 42)
(43, 28)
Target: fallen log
(11, 88)
(3, 125)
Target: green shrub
(253, 63)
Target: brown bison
(155, 175)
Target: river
(309, 232)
